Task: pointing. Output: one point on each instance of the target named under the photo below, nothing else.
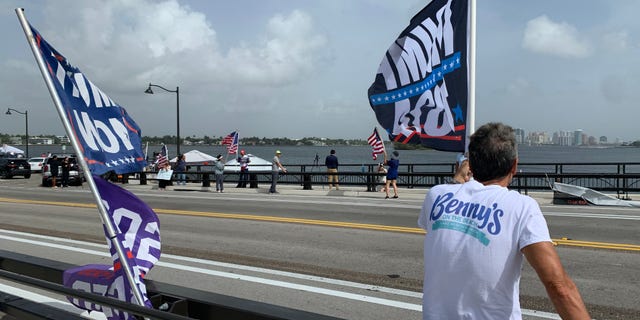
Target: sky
(284, 68)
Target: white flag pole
(111, 231)
(471, 111)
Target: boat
(256, 164)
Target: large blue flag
(420, 93)
(139, 232)
(109, 138)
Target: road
(354, 257)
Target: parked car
(75, 174)
(37, 163)
(11, 167)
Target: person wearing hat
(461, 173)
(243, 160)
(218, 171)
(392, 173)
(275, 167)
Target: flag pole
(471, 111)
(111, 230)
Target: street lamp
(26, 126)
(177, 92)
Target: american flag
(163, 158)
(228, 140)
(233, 147)
(376, 142)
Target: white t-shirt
(472, 257)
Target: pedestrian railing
(621, 178)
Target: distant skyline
(302, 68)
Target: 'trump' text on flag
(420, 92)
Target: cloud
(544, 36)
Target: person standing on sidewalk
(218, 171)
(66, 167)
(181, 168)
(243, 160)
(54, 168)
(275, 167)
(392, 173)
(478, 235)
(332, 169)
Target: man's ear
(514, 167)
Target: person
(218, 171)
(316, 160)
(54, 164)
(478, 234)
(332, 169)
(392, 174)
(243, 160)
(163, 183)
(66, 167)
(382, 176)
(181, 168)
(275, 166)
(461, 173)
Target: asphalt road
(342, 236)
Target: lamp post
(177, 92)
(26, 127)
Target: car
(37, 163)
(11, 167)
(75, 174)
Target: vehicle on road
(11, 167)
(37, 163)
(75, 174)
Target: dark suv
(75, 174)
(11, 167)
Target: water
(361, 155)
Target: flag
(376, 143)
(163, 158)
(109, 138)
(233, 147)
(138, 230)
(420, 92)
(228, 140)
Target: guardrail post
(306, 181)
(253, 180)
(143, 178)
(206, 182)
(371, 185)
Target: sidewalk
(416, 194)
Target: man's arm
(562, 291)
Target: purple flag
(138, 230)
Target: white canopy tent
(7, 149)
(256, 164)
(196, 157)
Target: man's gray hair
(492, 151)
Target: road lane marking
(352, 225)
(346, 295)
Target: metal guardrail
(182, 303)
(621, 178)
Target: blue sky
(273, 68)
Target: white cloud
(560, 39)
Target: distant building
(520, 135)
(563, 138)
(578, 138)
(40, 140)
(63, 139)
(603, 139)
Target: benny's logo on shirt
(467, 217)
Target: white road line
(284, 284)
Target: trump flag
(420, 92)
(139, 232)
(109, 138)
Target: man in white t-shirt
(478, 234)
